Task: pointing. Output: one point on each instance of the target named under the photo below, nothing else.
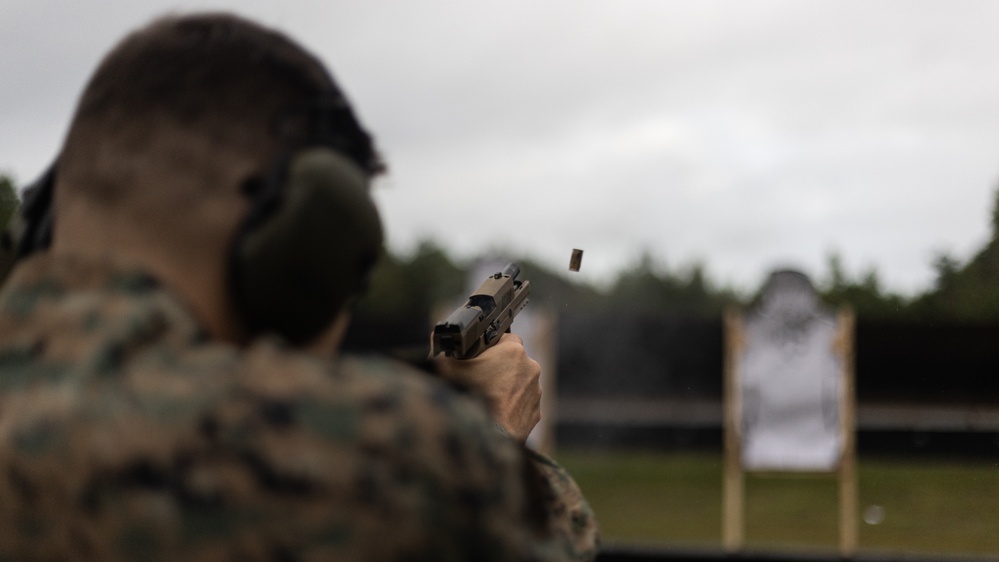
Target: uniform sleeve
(570, 517)
(559, 502)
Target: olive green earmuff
(307, 247)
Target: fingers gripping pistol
(489, 312)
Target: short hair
(220, 75)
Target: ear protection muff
(307, 246)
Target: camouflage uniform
(127, 434)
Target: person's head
(180, 128)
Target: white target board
(789, 380)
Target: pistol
(489, 312)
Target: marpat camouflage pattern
(126, 435)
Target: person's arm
(572, 520)
(509, 381)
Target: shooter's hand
(509, 380)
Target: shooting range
(689, 148)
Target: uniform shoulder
(275, 369)
(411, 408)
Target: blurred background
(689, 148)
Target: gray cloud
(743, 135)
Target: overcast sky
(745, 135)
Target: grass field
(675, 499)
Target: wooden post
(733, 493)
(848, 489)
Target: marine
(185, 275)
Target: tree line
(961, 292)
(411, 285)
